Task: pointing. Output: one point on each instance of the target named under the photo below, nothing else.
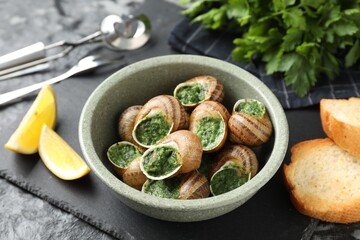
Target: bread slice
(340, 119)
(324, 181)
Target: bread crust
(344, 134)
(324, 116)
(306, 192)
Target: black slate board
(268, 215)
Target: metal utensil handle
(37, 68)
(36, 54)
(27, 54)
(12, 95)
(33, 63)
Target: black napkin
(192, 38)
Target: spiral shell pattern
(240, 155)
(194, 186)
(170, 107)
(214, 89)
(210, 106)
(249, 130)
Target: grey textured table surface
(22, 22)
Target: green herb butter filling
(122, 154)
(152, 129)
(166, 188)
(251, 107)
(229, 177)
(161, 161)
(191, 93)
(210, 130)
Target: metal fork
(82, 65)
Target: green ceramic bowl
(137, 83)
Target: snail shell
(209, 106)
(234, 166)
(188, 154)
(206, 88)
(248, 129)
(125, 164)
(239, 154)
(133, 176)
(194, 186)
(168, 107)
(126, 123)
(190, 149)
(190, 185)
(207, 111)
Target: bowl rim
(280, 125)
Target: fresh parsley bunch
(300, 38)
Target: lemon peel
(25, 139)
(59, 157)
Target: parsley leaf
(299, 38)
(353, 55)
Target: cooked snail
(179, 152)
(234, 165)
(191, 185)
(159, 117)
(249, 123)
(199, 89)
(209, 122)
(126, 123)
(124, 157)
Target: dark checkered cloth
(193, 39)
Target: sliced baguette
(324, 181)
(340, 119)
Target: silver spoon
(82, 65)
(126, 32)
(117, 33)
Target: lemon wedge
(25, 139)
(59, 157)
